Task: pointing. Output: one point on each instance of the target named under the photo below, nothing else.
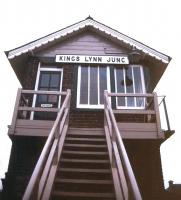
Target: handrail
(124, 157)
(129, 95)
(43, 92)
(33, 185)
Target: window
(129, 80)
(92, 81)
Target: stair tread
(84, 181)
(85, 170)
(83, 194)
(86, 152)
(86, 145)
(84, 160)
(86, 139)
(86, 133)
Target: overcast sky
(155, 23)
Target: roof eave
(88, 22)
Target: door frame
(48, 69)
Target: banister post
(15, 113)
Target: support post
(15, 114)
(157, 113)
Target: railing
(125, 183)
(41, 181)
(23, 106)
(147, 113)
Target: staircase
(83, 164)
(84, 171)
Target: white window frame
(143, 87)
(48, 69)
(97, 106)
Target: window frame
(142, 83)
(89, 106)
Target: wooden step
(90, 195)
(84, 163)
(86, 132)
(84, 160)
(98, 155)
(83, 185)
(84, 170)
(83, 181)
(80, 135)
(85, 147)
(84, 173)
(86, 139)
(86, 152)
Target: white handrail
(44, 154)
(124, 156)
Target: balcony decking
(41, 128)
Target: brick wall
(29, 77)
(144, 157)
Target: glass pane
(55, 81)
(93, 85)
(102, 82)
(52, 99)
(42, 99)
(44, 79)
(84, 85)
(129, 85)
(120, 86)
(138, 85)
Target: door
(47, 80)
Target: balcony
(133, 123)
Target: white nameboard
(92, 59)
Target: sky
(155, 23)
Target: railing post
(157, 113)
(15, 113)
(166, 114)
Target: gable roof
(88, 22)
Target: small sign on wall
(46, 105)
(92, 59)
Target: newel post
(15, 113)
